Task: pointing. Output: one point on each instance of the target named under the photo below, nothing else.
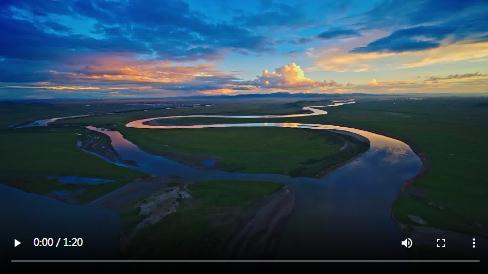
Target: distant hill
(277, 95)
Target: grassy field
(202, 226)
(300, 152)
(452, 135)
(119, 120)
(28, 157)
(237, 149)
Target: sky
(131, 49)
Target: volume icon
(408, 243)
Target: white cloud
(290, 77)
(341, 60)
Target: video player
(256, 133)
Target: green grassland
(202, 225)
(450, 133)
(295, 152)
(15, 113)
(300, 152)
(118, 121)
(452, 136)
(28, 157)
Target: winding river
(344, 214)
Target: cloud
(174, 47)
(336, 59)
(20, 71)
(373, 82)
(162, 29)
(338, 33)
(21, 39)
(409, 39)
(130, 45)
(425, 24)
(290, 77)
(456, 85)
(276, 15)
(219, 91)
(456, 77)
(115, 68)
(399, 13)
(48, 86)
(448, 54)
(123, 72)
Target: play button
(16, 243)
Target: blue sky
(98, 49)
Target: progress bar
(246, 261)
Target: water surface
(346, 213)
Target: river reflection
(46, 122)
(314, 111)
(346, 213)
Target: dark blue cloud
(410, 39)
(23, 71)
(21, 39)
(159, 23)
(275, 14)
(45, 34)
(56, 27)
(400, 13)
(168, 29)
(37, 8)
(425, 24)
(338, 33)
(435, 10)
